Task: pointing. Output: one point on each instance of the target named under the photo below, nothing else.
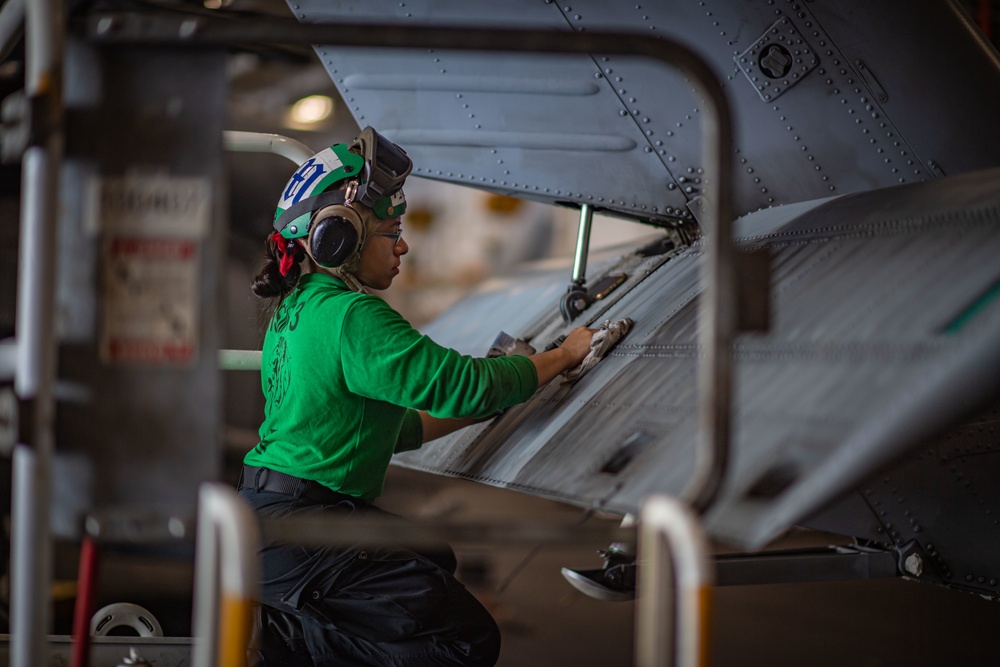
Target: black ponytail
(270, 282)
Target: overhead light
(309, 111)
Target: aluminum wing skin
(865, 164)
(827, 98)
(885, 317)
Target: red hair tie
(288, 250)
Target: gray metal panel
(133, 437)
(899, 93)
(160, 651)
(506, 123)
(863, 291)
(940, 503)
(936, 69)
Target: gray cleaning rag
(603, 341)
(506, 345)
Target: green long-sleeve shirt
(343, 376)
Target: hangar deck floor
(546, 622)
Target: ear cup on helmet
(335, 236)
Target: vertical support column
(142, 260)
(31, 558)
(31, 547)
(674, 587)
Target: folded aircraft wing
(883, 333)
(865, 167)
(826, 98)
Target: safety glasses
(395, 236)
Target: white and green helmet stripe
(315, 175)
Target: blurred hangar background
(460, 237)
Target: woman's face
(380, 257)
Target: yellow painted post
(674, 585)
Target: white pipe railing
(240, 360)
(664, 522)
(258, 142)
(31, 538)
(227, 568)
(262, 142)
(674, 582)
(674, 586)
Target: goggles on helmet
(386, 166)
(370, 171)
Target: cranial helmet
(318, 204)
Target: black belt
(265, 479)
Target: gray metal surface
(36, 364)
(621, 133)
(883, 286)
(159, 651)
(867, 356)
(137, 434)
(803, 565)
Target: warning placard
(154, 205)
(150, 300)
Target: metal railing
(264, 142)
(229, 537)
(36, 337)
(717, 311)
(227, 577)
(674, 584)
(31, 541)
(674, 587)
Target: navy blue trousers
(359, 605)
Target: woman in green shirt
(347, 383)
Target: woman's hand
(577, 345)
(569, 354)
